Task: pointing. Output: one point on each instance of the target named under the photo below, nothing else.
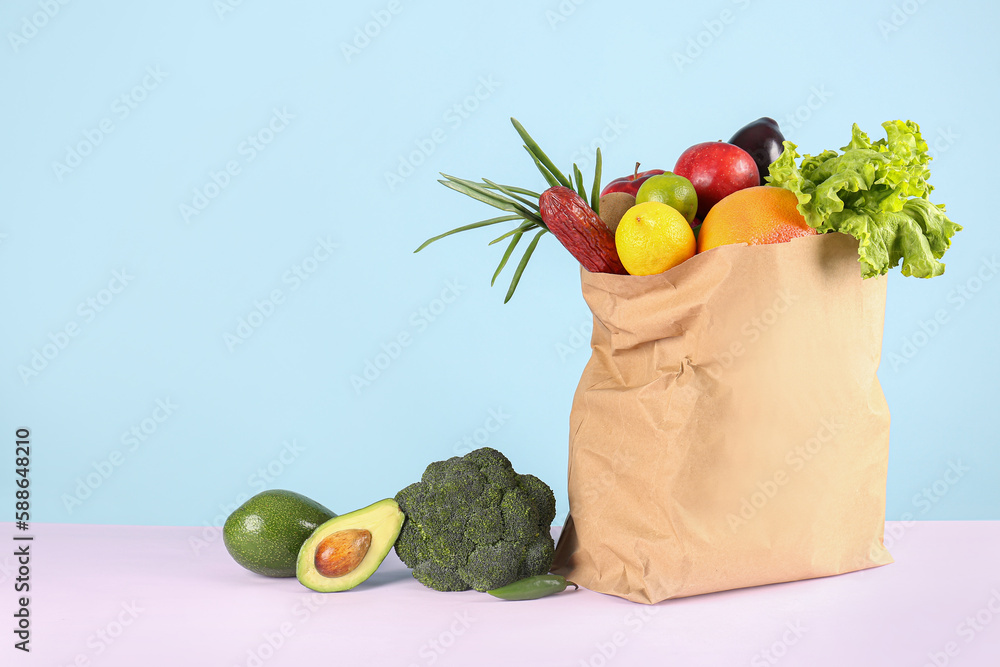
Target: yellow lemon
(653, 237)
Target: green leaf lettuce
(876, 192)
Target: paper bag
(729, 429)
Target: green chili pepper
(533, 588)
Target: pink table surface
(128, 595)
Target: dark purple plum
(762, 139)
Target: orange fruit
(758, 215)
(653, 237)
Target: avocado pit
(341, 552)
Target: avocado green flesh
(382, 519)
(265, 533)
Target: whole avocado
(264, 534)
(473, 522)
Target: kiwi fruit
(613, 206)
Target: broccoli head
(472, 522)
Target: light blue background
(323, 176)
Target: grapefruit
(756, 216)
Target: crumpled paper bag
(729, 429)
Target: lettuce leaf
(876, 192)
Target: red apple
(716, 170)
(630, 183)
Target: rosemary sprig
(528, 226)
(475, 225)
(506, 255)
(538, 153)
(595, 193)
(510, 193)
(524, 262)
(521, 204)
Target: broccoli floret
(473, 522)
(520, 516)
(433, 575)
(545, 500)
(539, 557)
(491, 564)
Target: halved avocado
(347, 549)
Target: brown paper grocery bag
(729, 429)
